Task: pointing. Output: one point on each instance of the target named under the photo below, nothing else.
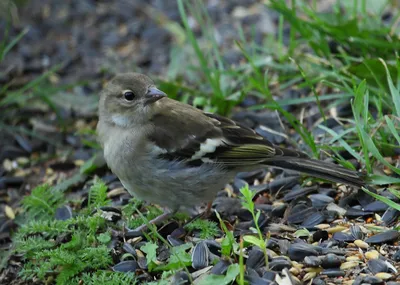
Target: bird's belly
(173, 185)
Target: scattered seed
(361, 244)
(372, 254)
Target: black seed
(330, 216)
(213, 246)
(301, 192)
(337, 251)
(221, 267)
(178, 233)
(385, 237)
(200, 256)
(142, 262)
(355, 213)
(279, 263)
(390, 216)
(174, 241)
(372, 280)
(332, 261)
(278, 210)
(238, 184)
(269, 275)
(132, 234)
(364, 198)
(129, 249)
(339, 236)
(252, 175)
(312, 220)
(320, 235)
(259, 189)
(320, 201)
(63, 213)
(264, 207)
(256, 259)
(181, 278)
(328, 191)
(318, 281)
(298, 251)
(125, 266)
(377, 265)
(313, 261)
(299, 213)
(282, 184)
(168, 228)
(284, 246)
(396, 256)
(256, 280)
(376, 206)
(356, 232)
(333, 272)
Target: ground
(320, 77)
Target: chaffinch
(177, 156)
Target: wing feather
(198, 137)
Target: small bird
(177, 156)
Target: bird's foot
(157, 220)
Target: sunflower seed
(200, 256)
(385, 237)
(299, 251)
(377, 265)
(125, 266)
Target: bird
(172, 154)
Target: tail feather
(319, 169)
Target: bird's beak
(153, 95)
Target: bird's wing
(198, 137)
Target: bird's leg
(164, 216)
(207, 211)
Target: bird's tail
(319, 169)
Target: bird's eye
(128, 95)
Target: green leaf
(392, 128)
(385, 200)
(98, 195)
(393, 90)
(302, 233)
(231, 274)
(247, 199)
(254, 240)
(228, 241)
(375, 152)
(150, 249)
(373, 72)
(104, 238)
(179, 258)
(383, 180)
(42, 202)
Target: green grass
(365, 70)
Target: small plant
(208, 229)
(66, 250)
(260, 241)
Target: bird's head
(129, 98)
